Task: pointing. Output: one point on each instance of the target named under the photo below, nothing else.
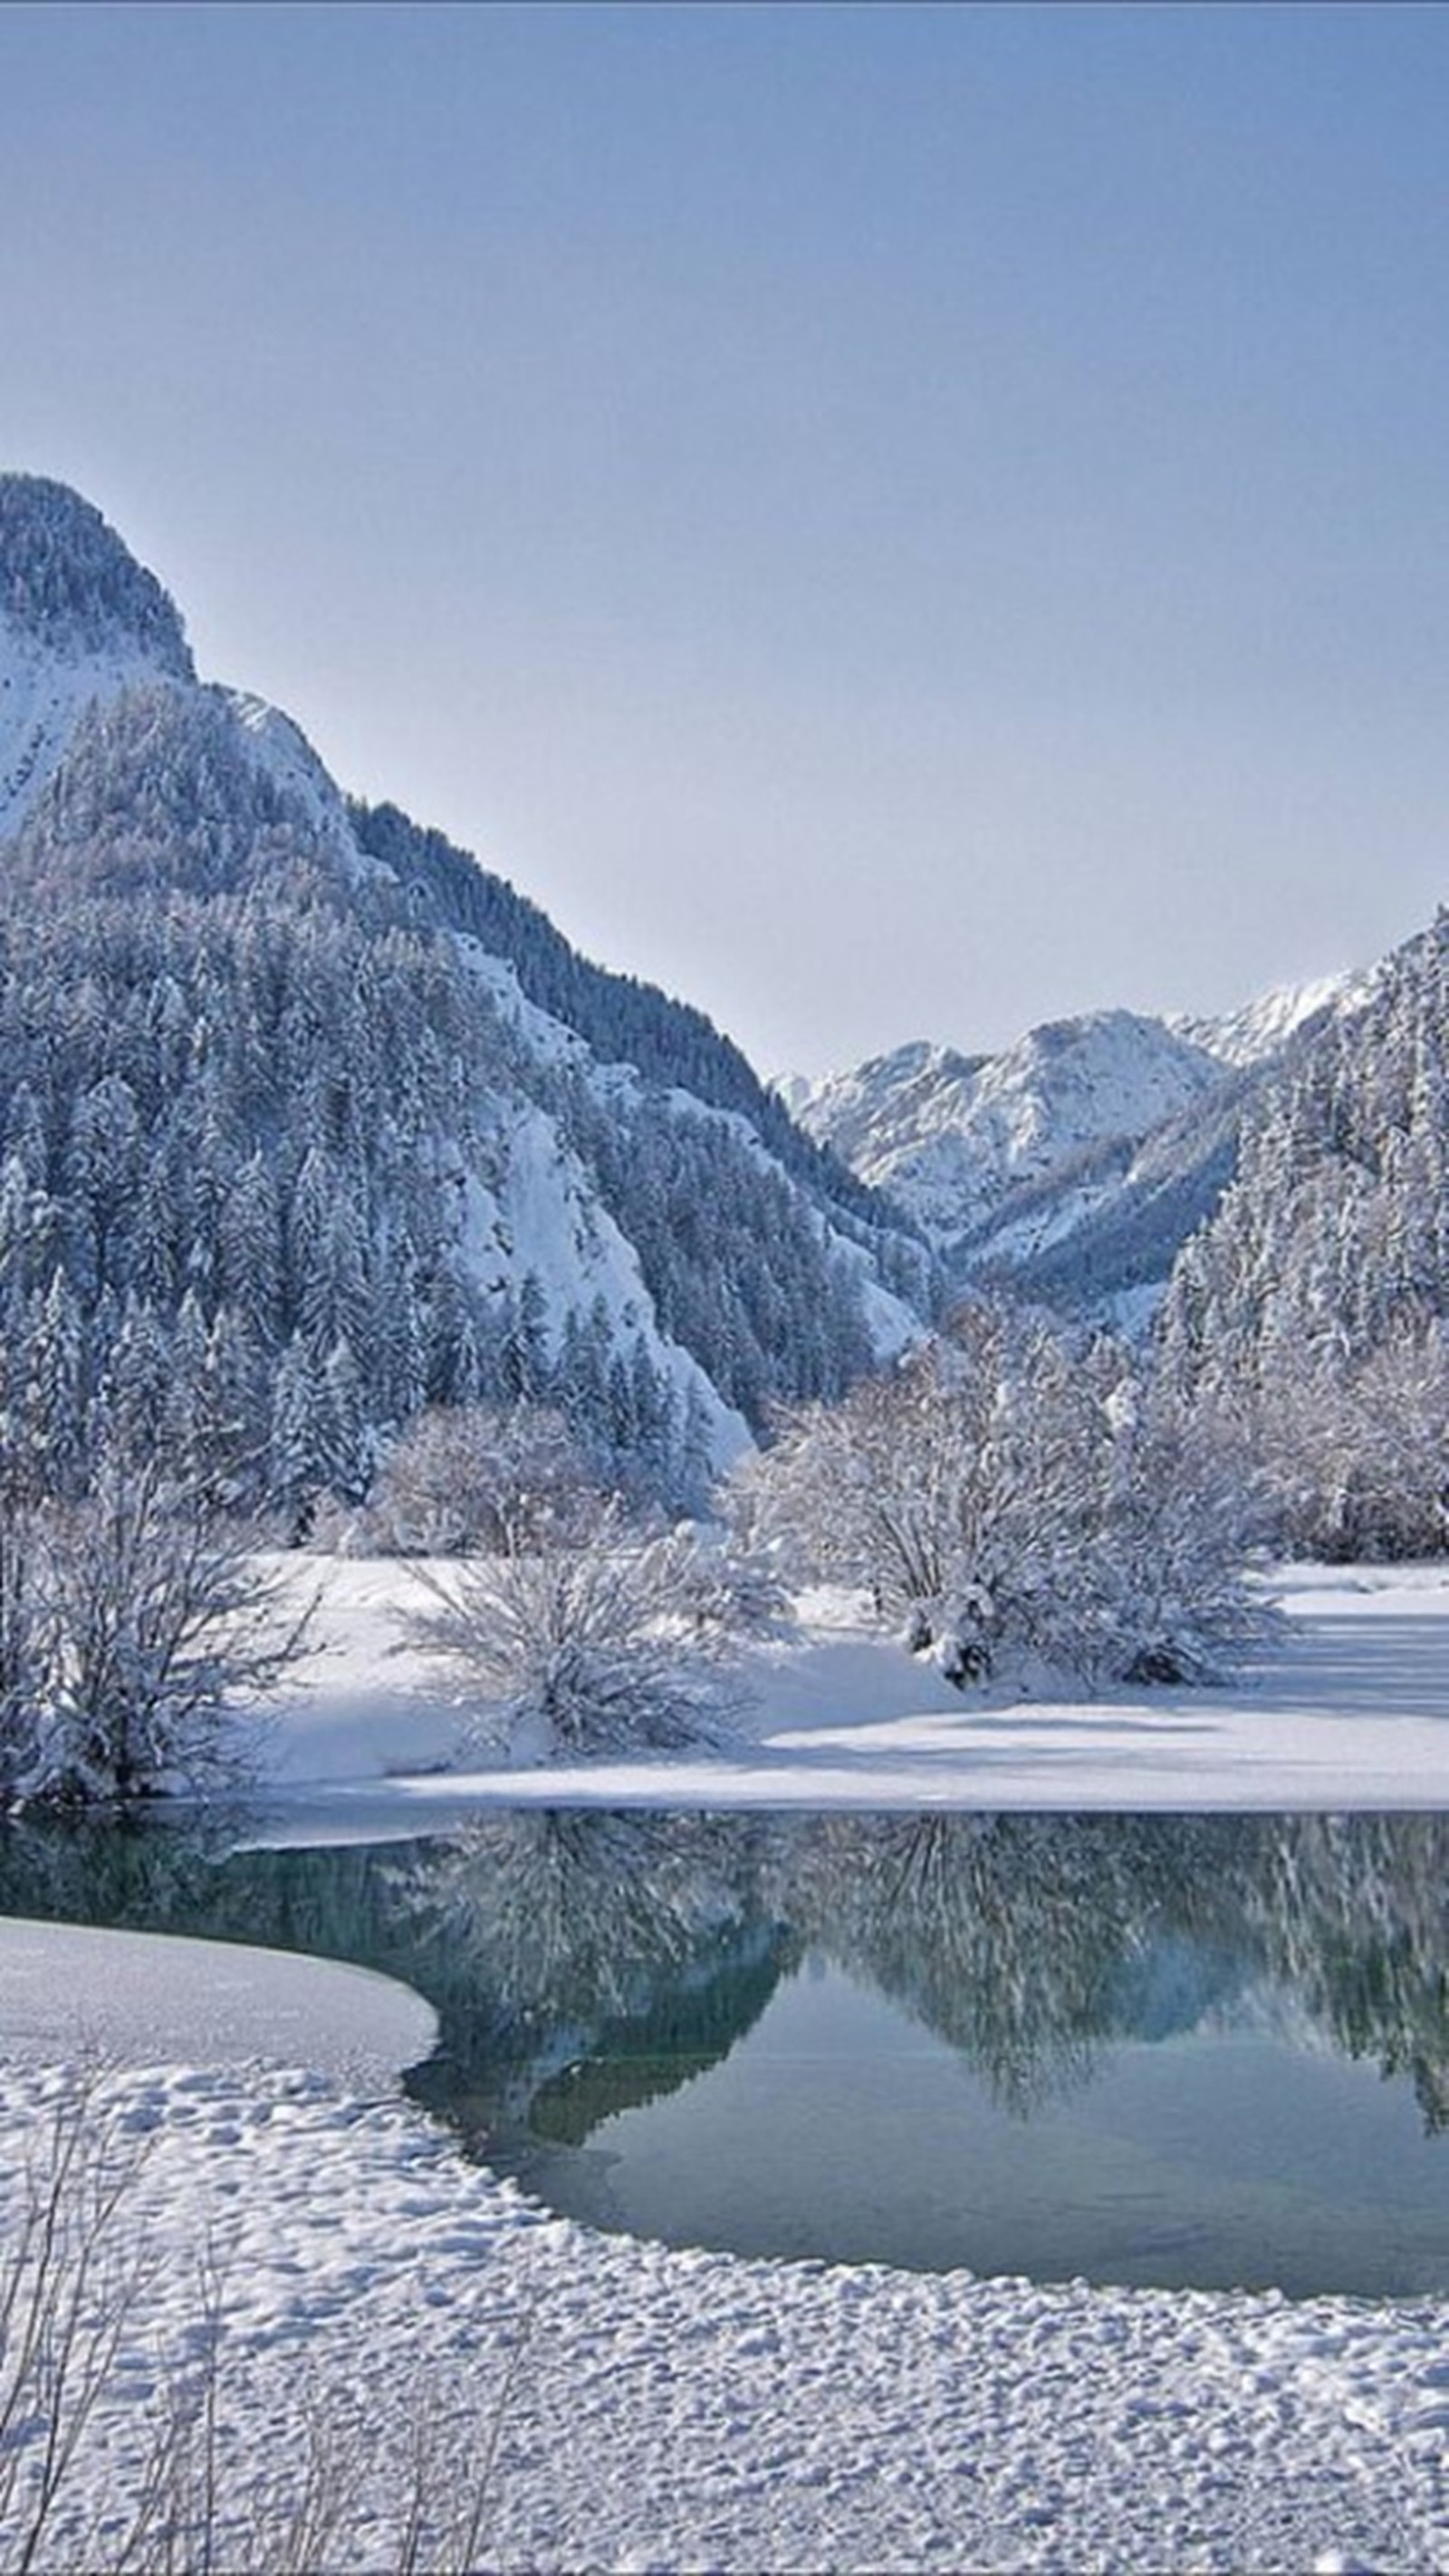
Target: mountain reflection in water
(583, 1964)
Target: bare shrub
(69, 2280)
(481, 1477)
(618, 1639)
(74, 2282)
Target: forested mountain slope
(298, 1133)
(1310, 1318)
(1333, 1240)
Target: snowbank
(1350, 1709)
(666, 2410)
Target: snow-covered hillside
(293, 1092)
(79, 622)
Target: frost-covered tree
(135, 1381)
(297, 1446)
(161, 1617)
(616, 1638)
(346, 1444)
(27, 1650)
(1351, 1455)
(54, 1392)
(226, 1437)
(133, 1618)
(1006, 1494)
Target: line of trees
(1018, 1500)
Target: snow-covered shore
(1349, 1710)
(657, 2409)
(70, 1994)
(662, 2409)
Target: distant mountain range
(1073, 1165)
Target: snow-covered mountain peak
(1264, 1026)
(864, 1114)
(70, 586)
(1105, 1073)
(947, 1135)
(80, 621)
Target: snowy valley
(598, 2394)
(700, 1557)
(310, 1122)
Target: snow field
(653, 2409)
(1350, 1709)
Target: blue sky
(890, 521)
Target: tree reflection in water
(1002, 1935)
(608, 1958)
(579, 1960)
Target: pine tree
(135, 1382)
(54, 1382)
(346, 1450)
(525, 1343)
(297, 1449)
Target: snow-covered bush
(1007, 1493)
(618, 1638)
(479, 1478)
(131, 1619)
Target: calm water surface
(1181, 2050)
